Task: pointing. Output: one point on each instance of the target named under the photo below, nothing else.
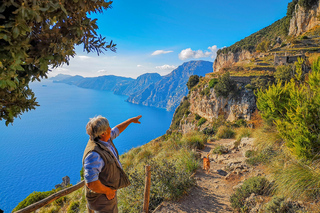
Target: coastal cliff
(168, 92)
(227, 60)
(304, 19)
(149, 89)
(210, 107)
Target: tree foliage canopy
(225, 86)
(193, 80)
(36, 35)
(294, 108)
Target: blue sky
(159, 35)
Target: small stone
(221, 172)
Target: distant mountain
(141, 83)
(60, 77)
(149, 89)
(168, 92)
(106, 82)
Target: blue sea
(47, 144)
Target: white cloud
(82, 57)
(166, 67)
(189, 53)
(159, 52)
(102, 71)
(139, 65)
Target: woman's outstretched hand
(136, 119)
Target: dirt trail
(213, 189)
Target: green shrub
(197, 117)
(260, 83)
(295, 110)
(205, 92)
(194, 140)
(263, 156)
(168, 181)
(193, 80)
(249, 87)
(280, 205)
(60, 201)
(34, 197)
(284, 73)
(213, 82)
(181, 110)
(225, 132)
(209, 131)
(256, 185)
(225, 86)
(74, 207)
(307, 3)
(220, 150)
(82, 174)
(243, 132)
(263, 46)
(240, 123)
(201, 121)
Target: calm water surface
(47, 144)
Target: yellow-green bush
(295, 110)
(243, 132)
(225, 132)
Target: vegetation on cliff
(278, 28)
(268, 36)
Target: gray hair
(96, 126)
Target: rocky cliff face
(212, 107)
(168, 92)
(304, 19)
(227, 60)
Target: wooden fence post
(147, 189)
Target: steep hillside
(252, 64)
(139, 84)
(168, 92)
(281, 37)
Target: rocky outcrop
(227, 60)
(168, 92)
(304, 19)
(232, 108)
(211, 107)
(65, 182)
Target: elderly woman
(103, 171)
